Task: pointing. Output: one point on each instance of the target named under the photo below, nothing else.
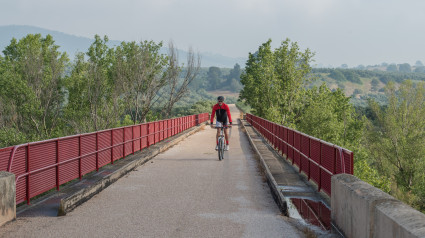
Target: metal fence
(318, 159)
(44, 165)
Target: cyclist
(221, 110)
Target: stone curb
(80, 195)
(280, 200)
(279, 197)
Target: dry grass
(226, 94)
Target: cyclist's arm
(228, 114)
(212, 115)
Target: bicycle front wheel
(220, 148)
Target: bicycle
(221, 141)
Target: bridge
(163, 179)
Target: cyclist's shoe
(226, 148)
(216, 147)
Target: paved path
(183, 192)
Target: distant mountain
(73, 44)
(68, 43)
(210, 59)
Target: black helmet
(220, 98)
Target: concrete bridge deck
(183, 192)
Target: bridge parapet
(7, 197)
(361, 210)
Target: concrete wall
(7, 197)
(361, 210)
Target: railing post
(272, 134)
(112, 146)
(301, 151)
(309, 156)
(28, 177)
(282, 139)
(141, 136)
(57, 165)
(335, 160)
(97, 151)
(148, 129)
(155, 131)
(79, 160)
(123, 140)
(293, 142)
(132, 138)
(162, 129)
(275, 135)
(168, 128)
(320, 170)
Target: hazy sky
(339, 31)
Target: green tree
(177, 87)
(351, 76)
(274, 86)
(386, 78)
(31, 92)
(405, 68)
(420, 69)
(257, 79)
(337, 75)
(397, 140)
(214, 77)
(357, 91)
(142, 69)
(274, 81)
(374, 84)
(235, 73)
(392, 68)
(94, 97)
(330, 116)
(235, 85)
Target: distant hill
(362, 85)
(73, 44)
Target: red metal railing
(44, 165)
(318, 159)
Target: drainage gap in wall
(310, 211)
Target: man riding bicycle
(222, 111)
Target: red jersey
(221, 112)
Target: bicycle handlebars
(214, 126)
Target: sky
(351, 32)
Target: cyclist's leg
(217, 135)
(226, 134)
(218, 124)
